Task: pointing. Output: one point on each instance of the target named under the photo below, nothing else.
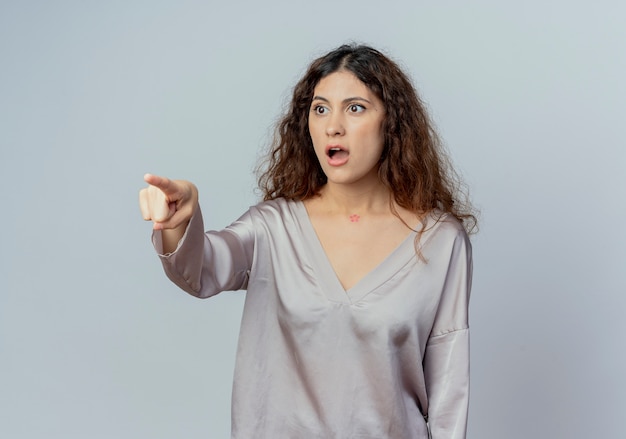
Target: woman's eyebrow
(345, 101)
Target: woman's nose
(334, 127)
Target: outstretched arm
(169, 204)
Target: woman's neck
(355, 200)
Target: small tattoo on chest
(354, 218)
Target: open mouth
(337, 152)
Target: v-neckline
(333, 289)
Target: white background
(96, 343)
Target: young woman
(357, 265)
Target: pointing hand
(167, 203)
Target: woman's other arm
(446, 361)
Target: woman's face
(345, 121)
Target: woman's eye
(318, 109)
(356, 108)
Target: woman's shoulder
(444, 226)
(276, 204)
(278, 208)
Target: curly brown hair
(414, 165)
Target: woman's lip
(338, 160)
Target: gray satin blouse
(317, 361)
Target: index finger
(167, 186)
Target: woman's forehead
(341, 84)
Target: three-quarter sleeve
(446, 360)
(207, 263)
